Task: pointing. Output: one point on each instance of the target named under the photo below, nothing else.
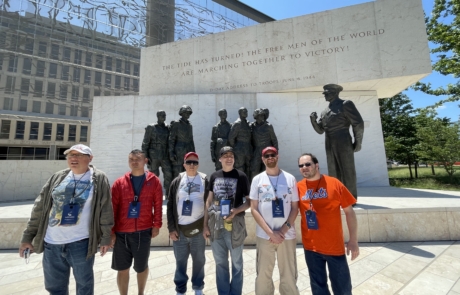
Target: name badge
(312, 222)
(134, 209)
(187, 206)
(225, 208)
(278, 208)
(70, 214)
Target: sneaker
(199, 292)
(180, 293)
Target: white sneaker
(199, 292)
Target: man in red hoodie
(137, 201)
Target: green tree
(438, 140)
(443, 29)
(399, 129)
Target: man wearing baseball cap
(186, 199)
(224, 222)
(71, 216)
(274, 206)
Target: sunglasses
(191, 162)
(308, 164)
(269, 156)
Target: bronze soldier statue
(240, 139)
(263, 135)
(336, 120)
(219, 137)
(180, 140)
(155, 147)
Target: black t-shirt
(232, 185)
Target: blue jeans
(182, 249)
(57, 261)
(339, 273)
(220, 248)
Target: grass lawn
(400, 177)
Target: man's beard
(272, 164)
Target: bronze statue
(340, 148)
(219, 137)
(180, 140)
(263, 135)
(155, 147)
(240, 140)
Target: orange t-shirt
(329, 194)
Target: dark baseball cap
(226, 149)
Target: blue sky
(290, 8)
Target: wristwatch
(288, 224)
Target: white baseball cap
(81, 148)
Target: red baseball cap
(190, 154)
(269, 149)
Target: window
(72, 132)
(5, 129)
(127, 67)
(51, 90)
(25, 83)
(89, 59)
(87, 77)
(63, 92)
(23, 105)
(99, 59)
(107, 93)
(127, 83)
(42, 49)
(108, 63)
(117, 82)
(61, 109)
(67, 52)
(40, 69)
(33, 131)
(49, 108)
(41, 154)
(14, 153)
(98, 78)
(119, 65)
(76, 75)
(136, 70)
(108, 80)
(1, 61)
(74, 110)
(55, 51)
(65, 73)
(38, 89)
(13, 64)
(48, 127)
(75, 92)
(117, 94)
(84, 112)
(53, 71)
(136, 85)
(60, 132)
(8, 103)
(36, 106)
(83, 133)
(85, 94)
(97, 92)
(29, 46)
(77, 56)
(20, 126)
(27, 66)
(10, 84)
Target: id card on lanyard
(70, 211)
(310, 214)
(135, 206)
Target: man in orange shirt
(321, 197)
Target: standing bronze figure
(155, 147)
(219, 137)
(240, 139)
(180, 140)
(335, 121)
(263, 135)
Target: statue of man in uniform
(155, 148)
(240, 140)
(219, 137)
(335, 121)
(180, 140)
(263, 135)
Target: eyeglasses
(191, 162)
(269, 156)
(308, 164)
(228, 157)
(75, 156)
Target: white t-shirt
(263, 190)
(81, 188)
(196, 196)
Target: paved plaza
(382, 268)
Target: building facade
(56, 55)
